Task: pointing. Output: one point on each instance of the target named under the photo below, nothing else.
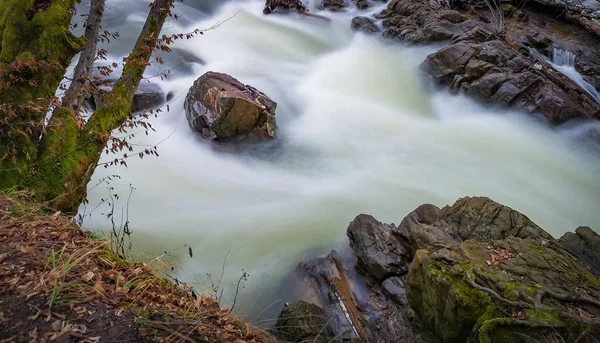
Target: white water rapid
(358, 133)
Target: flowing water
(358, 133)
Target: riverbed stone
(365, 25)
(223, 109)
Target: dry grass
(47, 255)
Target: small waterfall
(563, 58)
(564, 62)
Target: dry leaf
(35, 316)
(88, 276)
(3, 257)
(143, 332)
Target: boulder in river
(478, 271)
(333, 5)
(365, 25)
(223, 109)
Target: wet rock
(147, 95)
(364, 24)
(422, 21)
(455, 297)
(300, 322)
(380, 252)
(485, 67)
(482, 271)
(361, 4)
(333, 5)
(223, 109)
(584, 245)
(356, 305)
(394, 286)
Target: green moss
(112, 257)
(549, 318)
(493, 331)
(591, 279)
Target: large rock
(487, 68)
(380, 252)
(365, 25)
(333, 5)
(479, 271)
(485, 220)
(357, 307)
(223, 109)
(515, 290)
(584, 245)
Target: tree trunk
(36, 47)
(77, 151)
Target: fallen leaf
(35, 316)
(88, 276)
(3, 257)
(143, 332)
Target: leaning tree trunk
(71, 154)
(36, 47)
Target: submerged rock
(223, 109)
(364, 24)
(478, 271)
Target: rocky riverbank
(476, 271)
(489, 55)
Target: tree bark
(36, 47)
(79, 88)
(67, 185)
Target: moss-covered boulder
(513, 290)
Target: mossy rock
(514, 290)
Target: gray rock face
(485, 220)
(379, 251)
(487, 68)
(584, 245)
(223, 109)
(422, 21)
(300, 322)
(395, 288)
(357, 307)
(365, 25)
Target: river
(359, 132)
